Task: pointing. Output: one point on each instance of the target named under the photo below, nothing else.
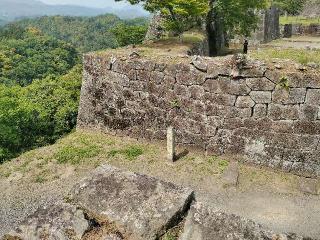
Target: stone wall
(312, 29)
(268, 114)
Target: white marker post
(171, 144)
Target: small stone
(199, 63)
(278, 66)
(231, 175)
(309, 186)
(301, 67)
(134, 54)
(312, 65)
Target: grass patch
(298, 55)
(169, 236)
(130, 153)
(76, 154)
(223, 164)
(40, 179)
(299, 20)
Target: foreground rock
(142, 207)
(61, 221)
(205, 223)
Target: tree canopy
(291, 7)
(236, 16)
(84, 33)
(178, 14)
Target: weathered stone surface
(278, 112)
(313, 97)
(260, 111)
(61, 221)
(199, 63)
(205, 223)
(309, 112)
(231, 175)
(196, 92)
(309, 186)
(142, 206)
(244, 102)
(291, 96)
(261, 96)
(260, 84)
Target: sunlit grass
(298, 55)
(299, 20)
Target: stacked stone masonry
(268, 115)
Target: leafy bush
(38, 114)
(126, 34)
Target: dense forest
(40, 74)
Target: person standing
(245, 46)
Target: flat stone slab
(141, 206)
(231, 175)
(61, 221)
(205, 223)
(309, 186)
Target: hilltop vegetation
(41, 73)
(85, 33)
(12, 10)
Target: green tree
(38, 114)
(179, 15)
(126, 34)
(291, 7)
(34, 56)
(222, 16)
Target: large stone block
(196, 92)
(260, 84)
(282, 112)
(313, 97)
(206, 223)
(291, 96)
(189, 78)
(236, 87)
(303, 80)
(244, 102)
(261, 96)
(219, 99)
(61, 221)
(309, 112)
(142, 206)
(260, 111)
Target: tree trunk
(215, 32)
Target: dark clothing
(245, 47)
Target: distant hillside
(16, 9)
(312, 8)
(85, 33)
(2, 22)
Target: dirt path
(268, 197)
(297, 42)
